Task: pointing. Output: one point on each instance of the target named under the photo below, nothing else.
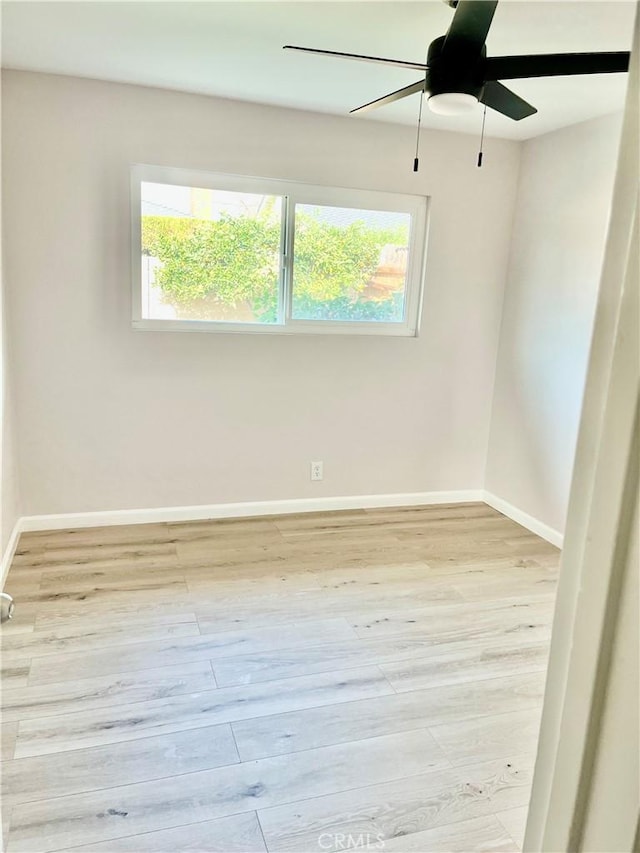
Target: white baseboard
(533, 524)
(249, 509)
(246, 509)
(9, 551)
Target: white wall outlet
(316, 470)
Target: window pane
(349, 264)
(210, 254)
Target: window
(227, 253)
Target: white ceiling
(234, 49)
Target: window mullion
(287, 278)
(282, 278)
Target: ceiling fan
(458, 74)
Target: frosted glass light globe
(452, 103)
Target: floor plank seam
(152, 831)
(264, 838)
(507, 832)
(393, 689)
(79, 749)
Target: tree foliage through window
(234, 260)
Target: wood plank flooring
(337, 681)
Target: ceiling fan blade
(555, 65)
(504, 101)
(393, 96)
(399, 63)
(470, 26)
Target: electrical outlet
(316, 470)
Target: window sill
(300, 327)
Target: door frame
(601, 522)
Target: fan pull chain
(484, 118)
(416, 160)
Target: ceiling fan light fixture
(452, 103)
(458, 61)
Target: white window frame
(292, 193)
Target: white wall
(10, 507)
(9, 495)
(564, 199)
(112, 419)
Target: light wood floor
(340, 681)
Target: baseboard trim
(245, 509)
(9, 552)
(250, 509)
(533, 524)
